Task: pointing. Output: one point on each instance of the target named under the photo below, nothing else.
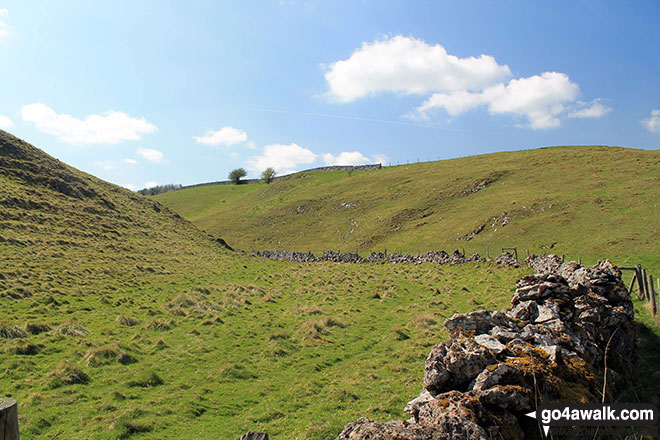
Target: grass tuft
(160, 325)
(73, 330)
(36, 329)
(12, 332)
(67, 373)
(146, 379)
(126, 320)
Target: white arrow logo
(546, 428)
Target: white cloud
(652, 124)
(381, 159)
(105, 164)
(150, 184)
(129, 186)
(225, 136)
(454, 103)
(594, 109)
(540, 99)
(110, 128)
(5, 122)
(3, 26)
(150, 154)
(283, 158)
(409, 65)
(130, 161)
(346, 158)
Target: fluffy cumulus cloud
(150, 154)
(130, 186)
(541, 99)
(150, 184)
(652, 124)
(346, 158)
(283, 158)
(130, 161)
(225, 136)
(409, 65)
(5, 122)
(109, 128)
(593, 109)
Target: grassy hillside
(587, 201)
(121, 320)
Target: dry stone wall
(498, 366)
(439, 257)
(253, 181)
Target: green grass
(121, 320)
(588, 202)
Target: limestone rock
(495, 346)
(479, 321)
(454, 362)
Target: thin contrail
(353, 118)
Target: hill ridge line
(368, 167)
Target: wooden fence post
(652, 293)
(640, 281)
(658, 285)
(632, 283)
(646, 285)
(8, 419)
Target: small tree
(236, 175)
(268, 175)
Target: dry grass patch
(70, 329)
(126, 320)
(425, 320)
(314, 329)
(35, 329)
(67, 373)
(12, 332)
(107, 355)
(24, 349)
(160, 325)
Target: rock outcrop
(496, 367)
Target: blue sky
(144, 92)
